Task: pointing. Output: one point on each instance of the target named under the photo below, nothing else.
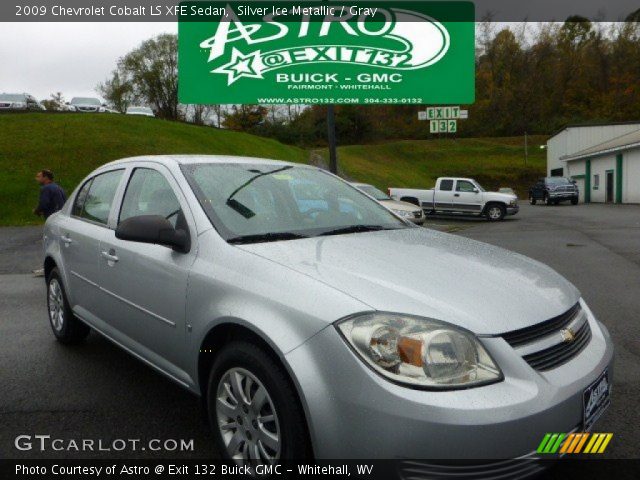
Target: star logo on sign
(241, 66)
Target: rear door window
(446, 185)
(100, 197)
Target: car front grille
(525, 335)
(555, 356)
(560, 339)
(527, 466)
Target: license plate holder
(595, 400)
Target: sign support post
(331, 137)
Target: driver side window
(149, 193)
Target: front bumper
(353, 412)
(563, 195)
(512, 210)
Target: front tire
(574, 201)
(547, 200)
(253, 408)
(495, 212)
(66, 327)
(532, 199)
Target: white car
(86, 105)
(460, 196)
(144, 111)
(406, 210)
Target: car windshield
(12, 97)
(85, 101)
(249, 203)
(557, 181)
(374, 192)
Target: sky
(42, 58)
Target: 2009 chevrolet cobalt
(314, 321)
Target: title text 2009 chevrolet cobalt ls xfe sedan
(316, 322)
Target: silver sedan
(314, 322)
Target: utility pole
(331, 137)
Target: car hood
(418, 271)
(403, 206)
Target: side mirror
(67, 103)
(475, 190)
(153, 229)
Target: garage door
(580, 185)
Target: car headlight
(403, 213)
(420, 351)
(513, 202)
(552, 189)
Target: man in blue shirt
(52, 197)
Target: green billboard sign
(393, 52)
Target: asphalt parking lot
(96, 391)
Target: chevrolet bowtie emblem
(567, 335)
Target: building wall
(575, 139)
(631, 176)
(599, 167)
(576, 169)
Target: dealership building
(603, 159)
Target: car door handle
(66, 240)
(456, 194)
(109, 256)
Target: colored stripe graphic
(573, 442)
(543, 443)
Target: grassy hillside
(72, 145)
(494, 162)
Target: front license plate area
(595, 400)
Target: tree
(117, 92)
(147, 75)
(55, 102)
(245, 117)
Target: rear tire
(66, 327)
(495, 212)
(245, 432)
(532, 200)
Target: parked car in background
(507, 190)
(19, 102)
(86, 105)
(408, 211)
(553, 190)
(144, 111)
(459, 196)
(325, 333)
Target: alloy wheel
(56, 305)
(247, 419)
(495, 213)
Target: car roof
(168, 160)
(358, 184)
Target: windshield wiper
(265, 237)
(356, 229)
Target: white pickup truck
(459, 196)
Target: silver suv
(313, 321)
(19, 102)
